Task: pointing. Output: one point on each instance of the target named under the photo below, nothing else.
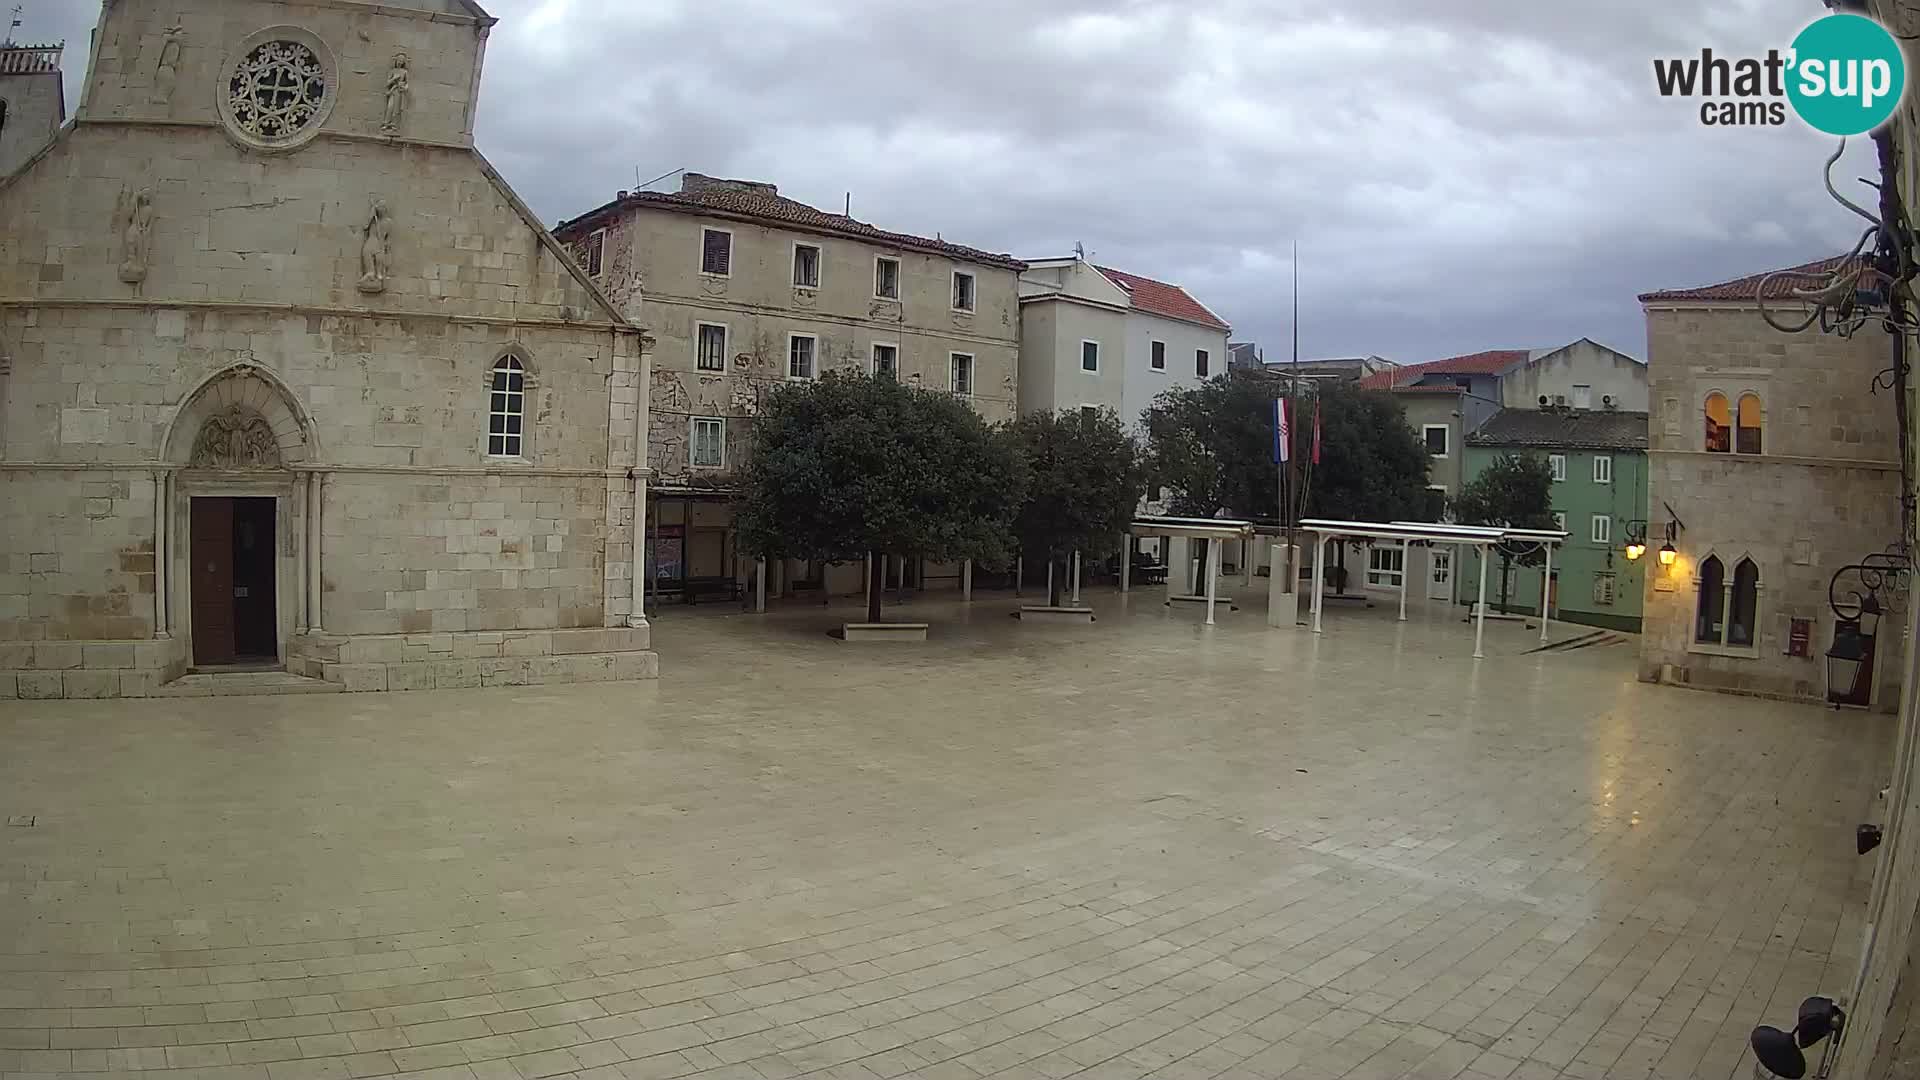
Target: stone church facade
(289, 377)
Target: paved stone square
(1140, 848)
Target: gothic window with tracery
(276, 91)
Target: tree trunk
(1506, 576)
(1058, 579)
(876, 581)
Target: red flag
(1316, 432)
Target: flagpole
(1288, 516)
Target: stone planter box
(1039, 613)
(884, 631)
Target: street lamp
(1635, 549)
(1668, 554)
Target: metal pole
(1319, 575)
(1076, 577)
(1405, 567)
(966, 581)
(1213, 576)
(1019, 572)
(1480, 610)
(1126, 565)
(760, 586)
(1049, 579)
(1546, 585)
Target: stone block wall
(441, 661)
(89, 669)
(411, 554)
(76, 555)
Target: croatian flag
(1282, 435)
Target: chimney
(694, 183)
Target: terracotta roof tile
(1160, 298)
(1748, 288)
(763, 202)
(1490, 362)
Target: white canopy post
(1319, 575)
(1019, 571)
(1126, 564)
(1213, 576)
(1076, 577)
(966, 581)
(1406, 566)
(1480, 609)
(760, 586)
(1546, 591)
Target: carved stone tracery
(235, 438)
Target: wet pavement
(1139, 848)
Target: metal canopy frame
(1479, 537)
(1185, 528)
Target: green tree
(1084, 480)
(853, 465)
(1211, 446)
(1516, 492)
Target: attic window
(716, 252)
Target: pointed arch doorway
(238, 514)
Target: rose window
(276, 91)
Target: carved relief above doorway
(234, 439)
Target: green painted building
(1599, 460)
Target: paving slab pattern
(1138, 848)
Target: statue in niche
(375, 255)
(134, 221)
(167, 75)
(397, 85)
(235, 438)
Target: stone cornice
(261, 308)
(622, 472)
(1785, 459)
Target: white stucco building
(1095, 336)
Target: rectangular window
(1436, 436)
(1602, 529)
(800, 356)
(1159, 361)
(1436, 502)
(1560, 521)
(1603, 589)
(1200, 362)
(806, 266)
(1384, 566)
(886, 278)
(1603, 470)
(710, 347)
(1089, 412)
(960, 373)
(591, 251)
(1583, 397)
(962, 291)
(716, 252)
(709, 443)
(1089, 356)
(1558, 463)
(886, 360)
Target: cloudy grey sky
(1459, 174)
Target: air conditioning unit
(1560, 399)
(1543, 401)
(1607, 401)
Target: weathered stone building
(293, 378)
(747, 289)
(33, 101)
(1776, 465)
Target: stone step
(236, 683)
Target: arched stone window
(1719, 424)
(507, 408)
(1744, 605)
(1727, 607)
(1747, 423)
(1709, 605)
